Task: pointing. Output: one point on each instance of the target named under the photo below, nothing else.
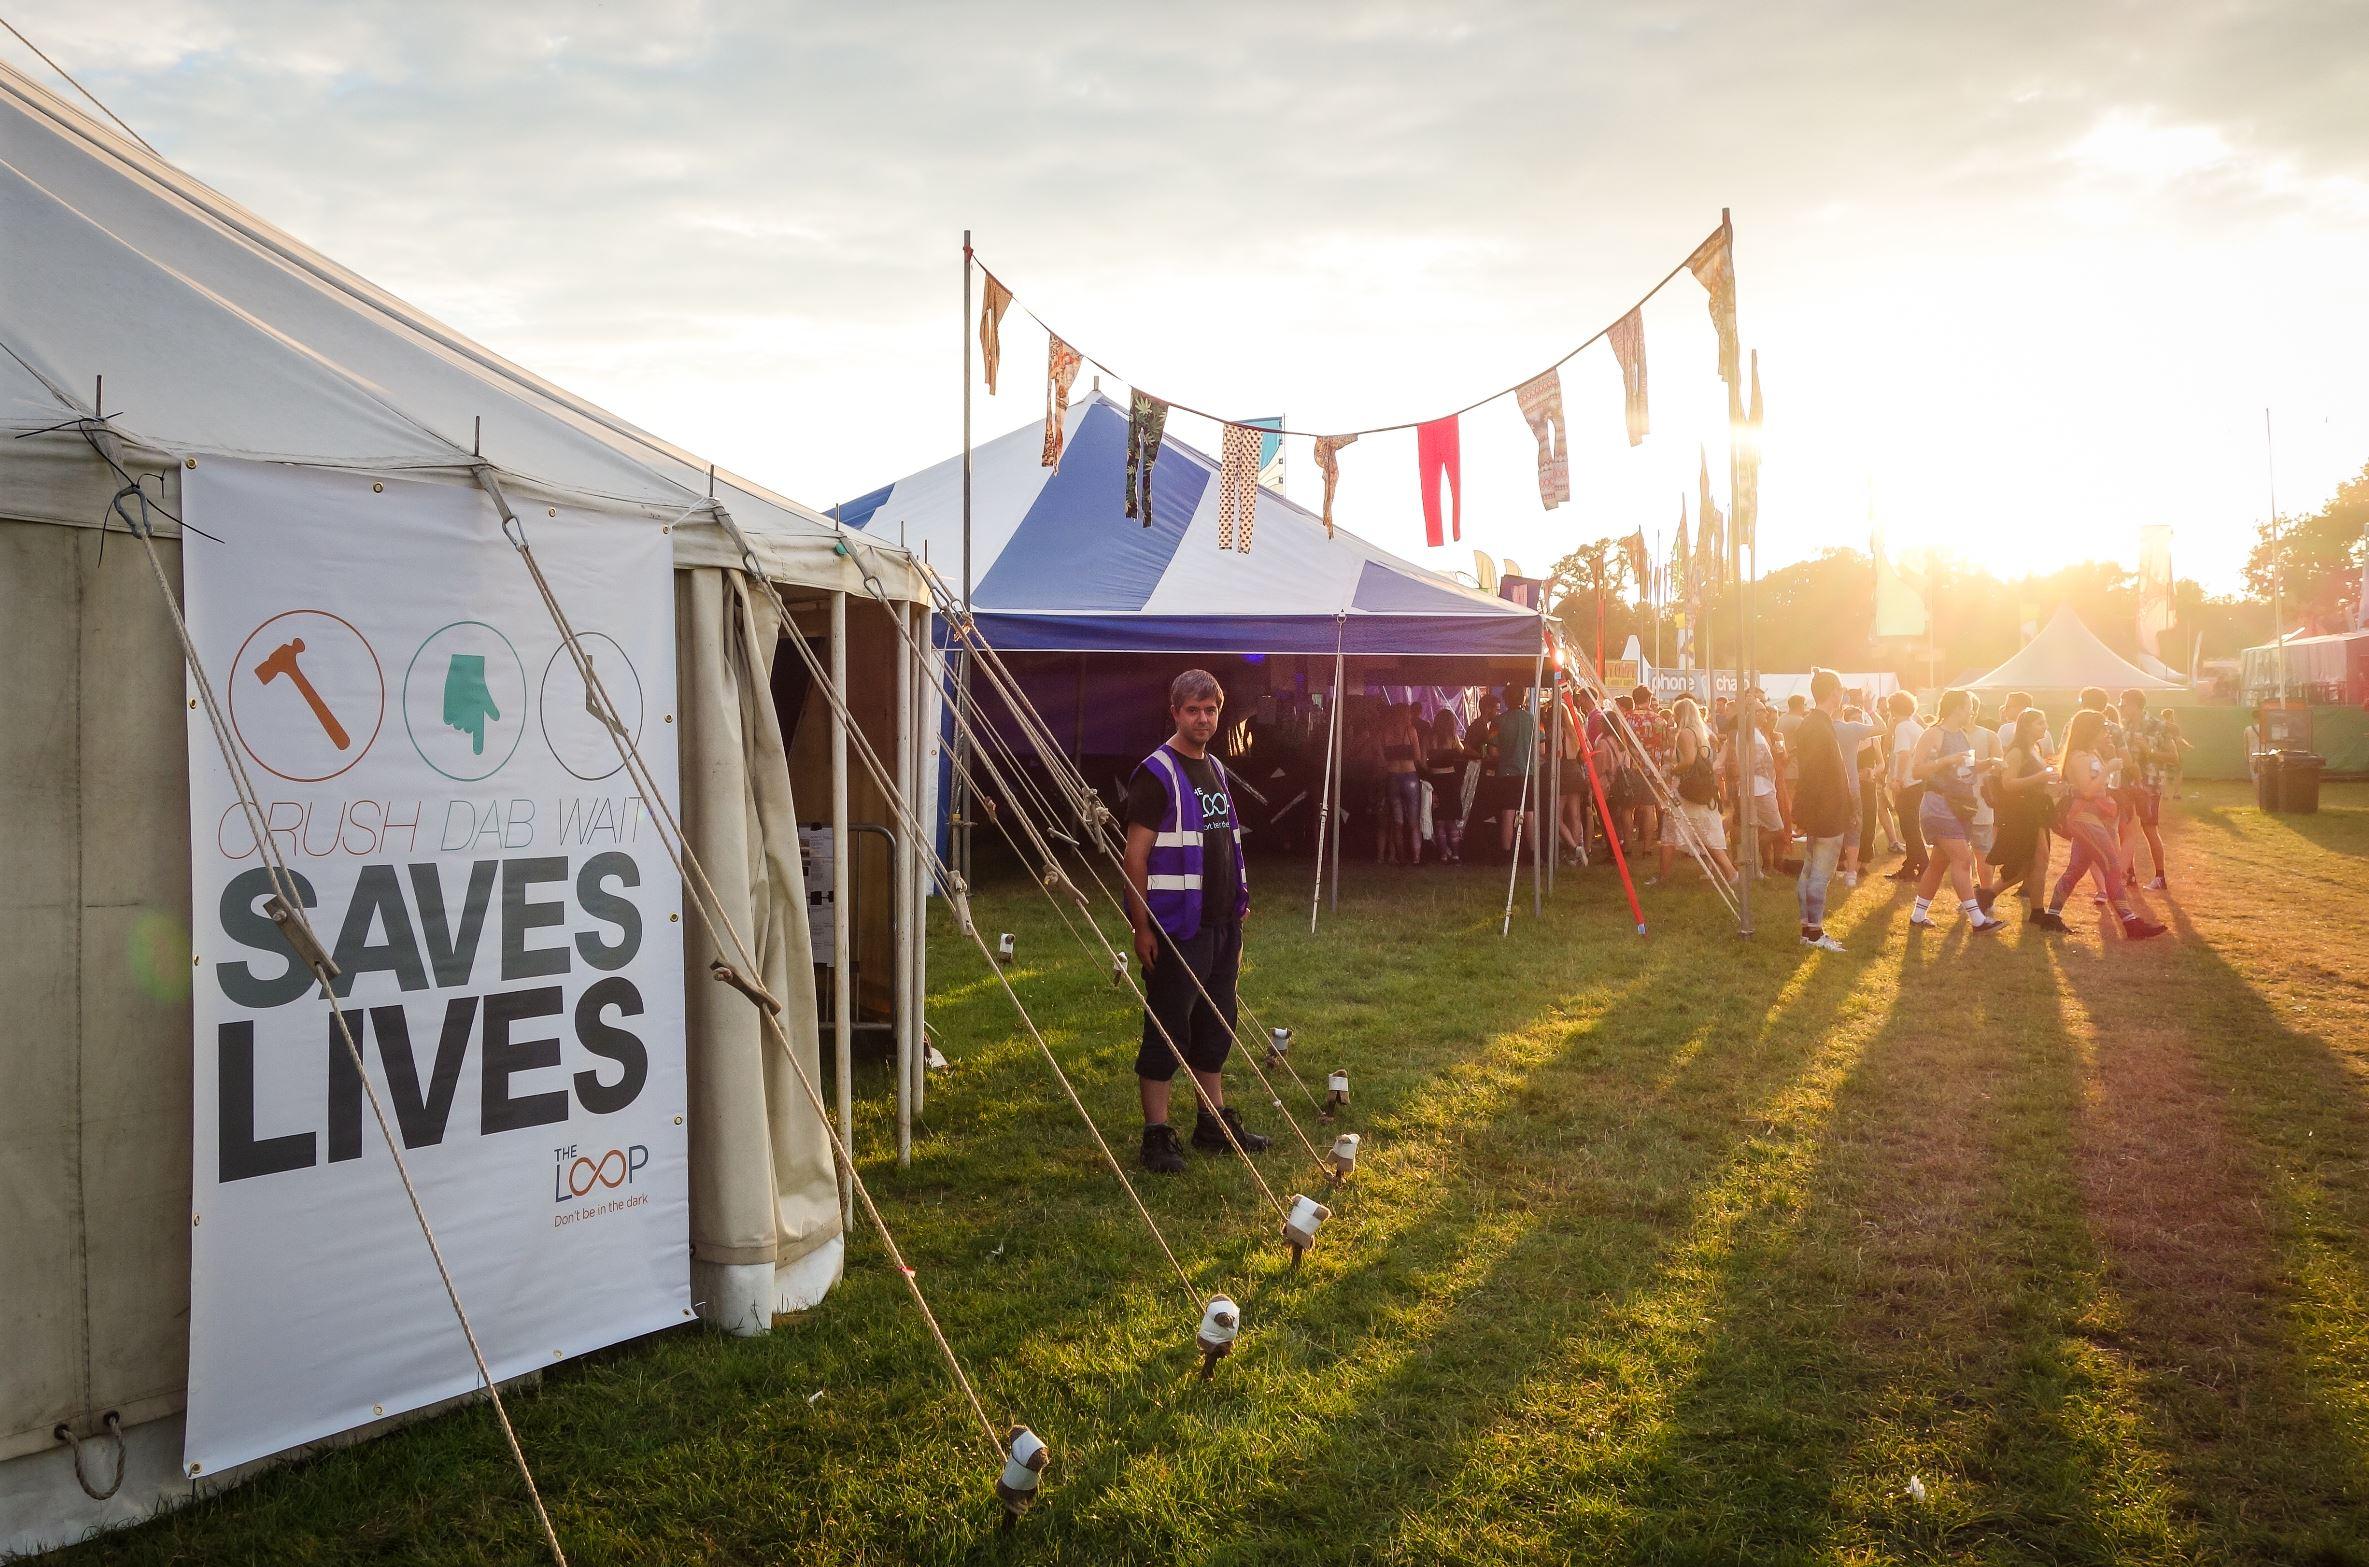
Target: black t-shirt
(1147, 804)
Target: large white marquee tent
(213, 333)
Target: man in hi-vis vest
(1184, 862)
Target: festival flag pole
(960, 814)
(1745, 741)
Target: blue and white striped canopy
(1058, 566)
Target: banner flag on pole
(1710, 531)
(1713, 264)
(1748, 470)
(2155, 588)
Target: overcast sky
(2026, 273)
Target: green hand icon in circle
(468, 704)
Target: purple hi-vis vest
(1173, 885)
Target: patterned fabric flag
(1541, 402)
(1061, 373)
(1147, 422)
(1238, 487)
(1710, 532)
(1748, 470)
(1328, 463)
(1634, 545)
(991, 323)
(1714, 266)
(1270, 451)
(1628, 348)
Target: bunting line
(1720, 235)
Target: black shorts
(1173, 1001)
(2145, 803)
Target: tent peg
(1024, 1463)
(1221, 1319)
(1341, 1162)
(1278, 1046)
(1336, 1094)
(1300, 1225)
(1118, 969)
(1003, 948)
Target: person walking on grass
(1191, 892)
(1821, 803)
(2144, 756)
(2090, 828)
(1943, 765)
(2021, 850)
(1908, 794)
(1696, 781)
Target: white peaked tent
(2067, 656)
(215, 333)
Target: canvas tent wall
(217, 334)
(2065, 657)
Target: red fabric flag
(1437, 453)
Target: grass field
(1679, 1249)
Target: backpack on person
(1698, 782)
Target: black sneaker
(1161, 1153)
(1206, 1134)
(2137, 927)
(1984, 897)
(2046, 919)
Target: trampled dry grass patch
(1674, 1250)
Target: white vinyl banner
(503, 912)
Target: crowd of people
(1956, 794)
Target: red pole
(1620, 861)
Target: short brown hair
(1192, 686)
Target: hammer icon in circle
(283, 662)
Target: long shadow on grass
(1466, 1304)
(2224, 1179)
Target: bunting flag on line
(1437, 454)
(1147, 422)
(1627, 336)
(1061, 373)
(991, 321)
(1541, 402)
(1714, 266)
(1328, 463)
(1237, 487)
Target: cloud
(740, 223)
